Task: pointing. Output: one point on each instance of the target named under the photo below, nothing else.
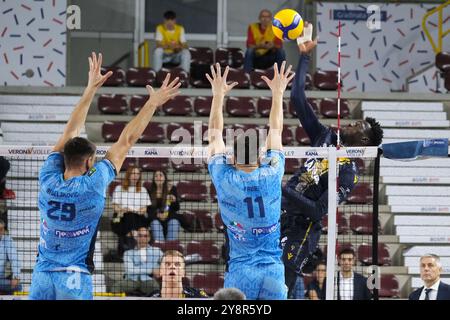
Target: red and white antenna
(339, 89)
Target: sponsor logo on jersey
(45, 227)
(264, 230)
(236, 227)
(92, 171)
(73, 233)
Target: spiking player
(249, 194)
(72, 194)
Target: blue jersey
(69, 212)
(250, 205)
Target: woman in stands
(130, 201)
(163, 213)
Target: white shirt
(433, 293)
(345, 287)
(159, 36)
(131, 198)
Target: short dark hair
(376, 132)
(76, 151)
(251, 152)
(347, 251)
(229, 294)
(170, 15)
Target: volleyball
(287, 24)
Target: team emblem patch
(274, 162)
(92, 171)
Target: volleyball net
(144, 217)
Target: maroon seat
(111, 130)
(213, 193)
(361, 223)
(137, 102)
(177, 136)
(361, 194)
(443, 61)
(255, 77)
(178, 106)
(129, 162)
(312, 103)
(263, 105)
(325, 80)
(365, 254)
(198, 221)
(169, 245)
(339, 247)
(154, 133)
(112, 186)
(201, 55)
(154, 164)
(308, 82)
(141, 77)
(328, 108)
(233, 57)
(209, 282)
(240, 106)
(389, 286)
(192, 190)
(239, 76)
(287, 137)
(186, 164)
(218, 223)
(342, 223)
(207, 250)
(360, 165)
(175, 72)
(202, 106)
(447, 81)
(116, 79)
(201, 59)
(291, 165)
(112, 104)
(302, 137)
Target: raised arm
(278, 86)
(78, 116)
(134, 129)
(219, 88)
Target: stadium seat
(361, 194)
(240, 106)
(233, 57)
(302, 137)
(112, 104)
(154, 133)
(192, 190)
(361, 223)
(186, 165)
(339, 247)
(137, 102)
(171, 127)
(308, 82)
(209, 282)
(341, 222)
(443, 61)
(201, 59)
(312, 103)
(447, 81)
(291, 165)
(218, 223)
(263, 105)
(328, 108)
(255, 78)
(360, 165)
(198, 221)
(287, 136)
(116, 79)
(212, 193)
(112, 130)
(389, 286)
(175, 72)
(201, 55)
(129, 162)
(325, 80)
(169, 245)
(141, 77)
(239, 76)
(154, 164)
(207, 251)
(365, 254)
(202, 106)
(178, 106)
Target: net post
(332, 230)
(375, 214)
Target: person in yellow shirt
(171, 44)
(263, 48)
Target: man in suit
(350, 285)
(430, 272)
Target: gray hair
(434, 256)
(229, 294)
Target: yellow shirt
(261, 38)
(166, 36)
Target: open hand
(96, 79)
(219, 82)
(165, 93)
(280, 79)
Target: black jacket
(443, 292)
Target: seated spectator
(171, 46)
(172, 272)
(263, 48)
(4, 192)
(8, 255)
(141, 267)
(163, 213)
(316, 289)
(130, 201)
(229, 294)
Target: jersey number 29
(67, 211)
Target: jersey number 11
(249, 203)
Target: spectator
(263, 48)
(172, 272)
(4, 192)
(141, 267)
(171, 46)
(229, 294)
(8, 254)
(130, 201)
(317, 288)
(350, 285)
(430, 272)
(165, 220)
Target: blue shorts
(260, 282)
(61, 285)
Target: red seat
(154, 164)
(202, 106)
(175, 72)
(213, 193)
(198, 221)
(111, 130)
(339, 247)
(287, 137)
(302, 137)
(192, 190)
(201, 55)
(201, 59)
(240, 106)
(291, 165)
(361, 223)
(209, 282)
(129, 162)
(207, 250)
(218, 223)
(169, 245)
(137, 102)
(325, 80)
(361, 194)
(342, 223)
(176, 134)
(233, 57)
(328, 108)
(365, 254)
(360, 165)
(178, 106)
(112, 104)
(154, 133)
(263, 105)
(389, 286)
(116, 79)
(187, 164)
(255, 77)
(443, 61)
(141, 77)
(239, 76)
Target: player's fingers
(99, 62)
(209, 78)
(219, 72)
(166, 81)
(94, 59)
(150, 89)
(91, 64)
(225, 74)
(266, 80)
(283, 65)
(275, 70)
(173, 83)
(291, 77)
(288, 71)
(231, 86)
(213, 72)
